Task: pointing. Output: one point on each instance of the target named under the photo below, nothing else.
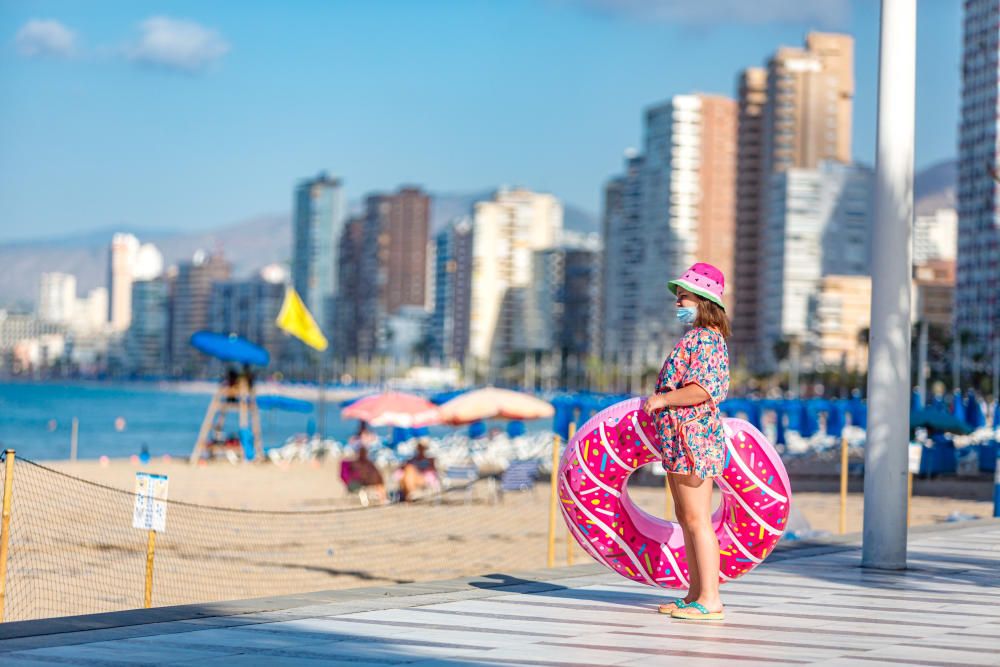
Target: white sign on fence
(150, 512)
(916, 451)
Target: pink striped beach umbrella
(494, 403)
(393, 408)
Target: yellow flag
(296, 319)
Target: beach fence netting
(73, 550)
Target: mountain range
(265, 239)
(248, 245)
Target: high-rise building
(977, 288)
(561, 304)
(452, 291)
(581, 296)
(689, 185)
(128, 260)
(92, 311)
(624, 252)
(935, 236)
(749, 194)
(57, 297)
(673, 207)
(18, 327)
(249, 308)
(58, 303)
(544, 304)
(934, 293)
(383, 270)
(121, 260)
(506, 231)
(400, 224)
(190, 303)
(810, 96)
(716, 209)
(817, 225)
(393, 264)
(840, 312)
(351, 321)
(320, 215)
(147, 337)
(805, 119)
(407, 335)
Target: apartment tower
(977, 293)
(805, 120)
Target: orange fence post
(8, 495)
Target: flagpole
(295, 319)
(321, 418)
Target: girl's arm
(689, 394)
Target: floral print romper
(692, 439)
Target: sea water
(117, 420)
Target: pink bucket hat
(704, 280)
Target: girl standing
(693, 381)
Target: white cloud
(38, 38)
(177, 44)
(827, 13)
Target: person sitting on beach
(418, 473)
(364, 475)
(231, 386)
(365, 437)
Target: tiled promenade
(807, 605)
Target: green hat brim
(674, 284)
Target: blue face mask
(687, 315)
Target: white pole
(956, 360)
(886, 451)
(996, 372)
(922, 363)
(795, 362)
(74, 439)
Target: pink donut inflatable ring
(593, 491)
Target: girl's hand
(654, 403)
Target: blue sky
(179, 115)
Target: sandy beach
(294, 528)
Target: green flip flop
(697, 612)
(679, 603)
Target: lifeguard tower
(235, 394)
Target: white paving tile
(558, 654)
(237, 637)
(686, 661)
(651, 645)
(970, 642)
(881, 619)
(727, 633)
(932, 654)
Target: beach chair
(459, 476)
(519, 476)
(350, 481)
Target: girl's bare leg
(692, 593)
(694, 512)
(694, 584)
